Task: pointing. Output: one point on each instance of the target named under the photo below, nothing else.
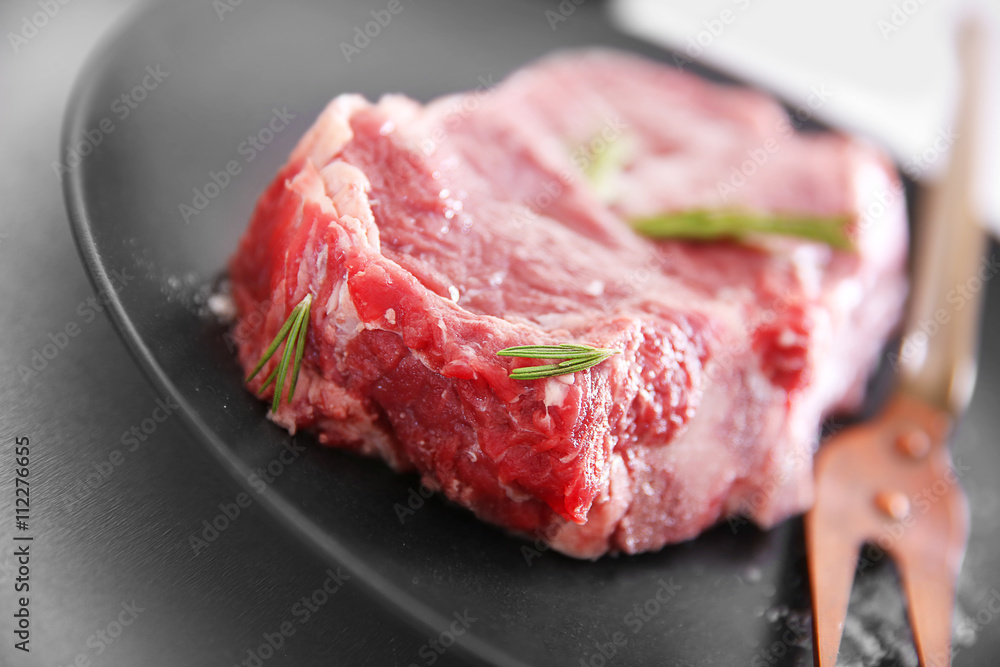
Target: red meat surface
(432, 236)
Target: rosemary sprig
(293, 333)
(710, 225)
(575, 358)
(605, 167)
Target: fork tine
(832, 563)
(930, 599)
(930, 575)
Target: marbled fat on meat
(432, 236)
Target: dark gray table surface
(111, 517)
(112, 530)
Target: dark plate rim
(297, 523)
(282, 512)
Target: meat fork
(890, 481)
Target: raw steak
(433, 236)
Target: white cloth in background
(884, 69)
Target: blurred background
(887, 69)
(884, 68)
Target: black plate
(201, 83)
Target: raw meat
(432, 236)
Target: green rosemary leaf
(563, 351)
(711, 225)
(535, 372)
(586, 362)
(605, 166)
(574, 358)
(551, 370)
(272, 348)
(293, 334)
(269, 380)
(300, 348)
(286, 359)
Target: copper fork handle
(889, 483)
(938, 354)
